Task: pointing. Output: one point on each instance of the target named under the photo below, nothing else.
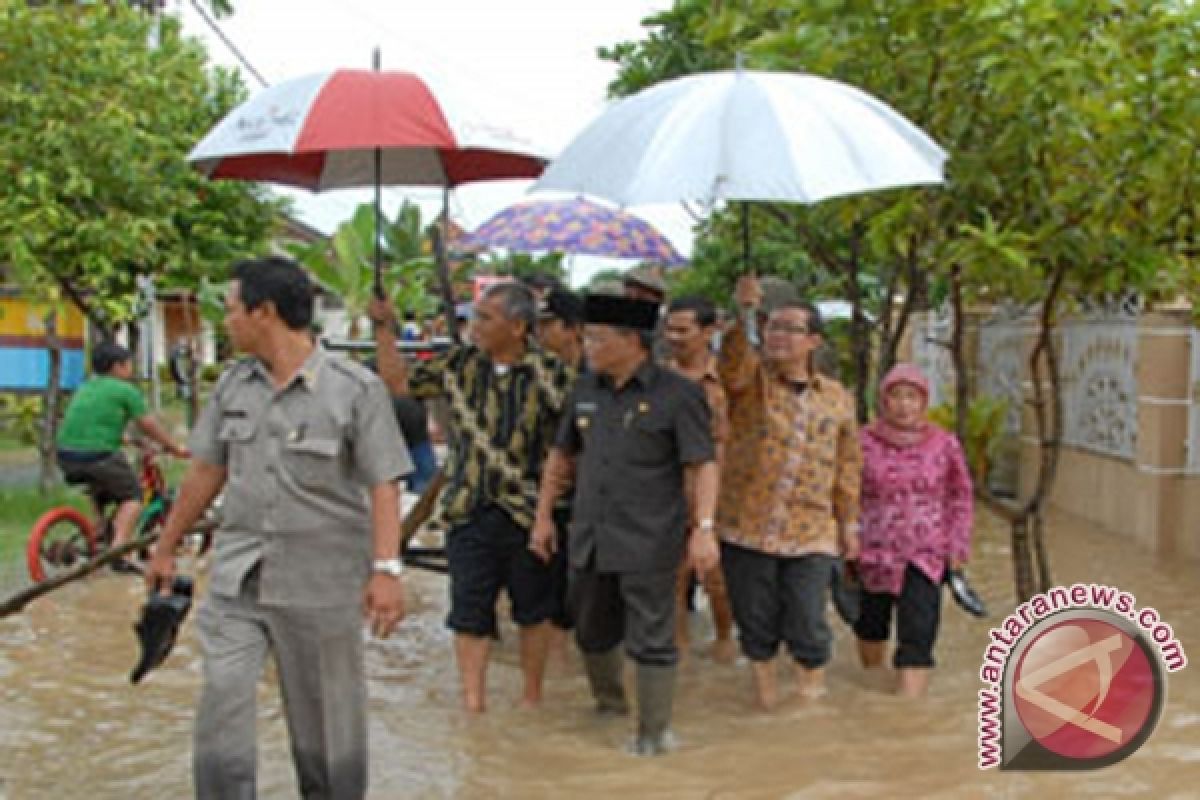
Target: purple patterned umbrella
(573, 225)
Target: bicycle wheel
(61, 538)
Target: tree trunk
(962, 391)
(1022, 560)
(193, 363)
(46, 444)
(1048, 414)
(860, 336)
(892, 325)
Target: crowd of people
(600, 452)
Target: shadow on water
(73, 727)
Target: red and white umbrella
(322, 131)
(356, 128)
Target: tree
(345, 265)
(95, 191)
(523, 266)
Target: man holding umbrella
(789, 491)
(505, 396)
(634, 434)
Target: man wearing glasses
(789, 487)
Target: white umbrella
(745, 135)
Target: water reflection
(71, 725)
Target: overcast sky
(529, 63)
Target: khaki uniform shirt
(792, 466)
(300, 460)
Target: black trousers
(777, 599)
(485, 555)
(635, 607)
(918, 614)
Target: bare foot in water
(810, 684)
(724, 651)
(766, 687)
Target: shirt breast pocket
(314, 462)
(236, 435)
(650, 440)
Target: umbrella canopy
(322, 131)
(745, 135)
(573, 225)
(353, 128)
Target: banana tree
(345, 265)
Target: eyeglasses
(783, 327)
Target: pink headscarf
(883, 427)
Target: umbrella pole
(746, 238)
(379, 224)
(750, 322)
(442, 264)
(375, 63)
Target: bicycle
(64, 536)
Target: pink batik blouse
(916, 508)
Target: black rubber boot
(604, 675)
(656, 695)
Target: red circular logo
(1084, 688)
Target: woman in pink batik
(916, 524)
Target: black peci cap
(620, 312)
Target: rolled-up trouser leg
(656, 696)
(319, 652)
(233, 639)
(805, 593)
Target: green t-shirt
(98, 414)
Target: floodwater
(71, 725)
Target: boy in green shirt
(89, 441)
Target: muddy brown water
(71, 725)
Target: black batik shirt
(502, 423)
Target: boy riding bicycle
(89, 441)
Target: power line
(233, 48)
(347, 206)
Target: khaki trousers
(319, 657)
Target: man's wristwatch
(707, 525)
(388, 566)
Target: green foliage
(210, 296)
(1070, 126)
(209, 373)
(94, 187)
(606, 278)
(20, 418)
(523, 266)
(21, 507)
(345, 266)
(984, 430)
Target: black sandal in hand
(965, 596)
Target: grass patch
(20, 508)
(11, 443)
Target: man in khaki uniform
(307, 449)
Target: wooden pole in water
(18, 601)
